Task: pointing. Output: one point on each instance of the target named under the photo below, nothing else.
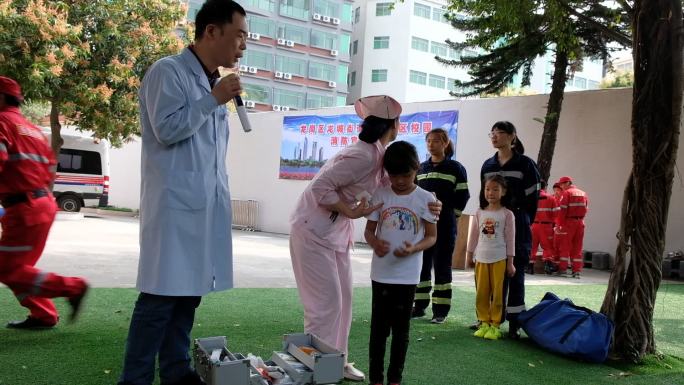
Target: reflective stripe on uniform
(25, 156)
(581, 204)
(531, 189)
(441, 301)
(461, 186)
(424, 284)
(16, 248)
(37, 282)
(545, 209)
(510, 174)
(458, 212)
(515, 309)
(424, 296)
(443, 286)
(437, 175)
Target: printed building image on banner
(309, 140)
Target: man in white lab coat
(185, 214)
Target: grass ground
(90, 351)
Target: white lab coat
(185, 214)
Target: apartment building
(298, 53)
(393, 51)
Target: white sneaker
(353, 374)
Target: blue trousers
(160, 325)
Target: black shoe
(530, 269)
(76, 303)
(513, 329)
(417, 313)
(191, 378)
(576, 274)
(30, 323)
(475, 325)
(438, 320)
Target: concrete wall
(594, 147)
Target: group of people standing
(559, 229)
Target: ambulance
(82, 171)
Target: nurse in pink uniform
(322, 228)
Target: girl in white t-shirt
(398, 233)
(492, 241)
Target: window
(436, 81)
(379, 76)
(79, 162)
(319, 101)
(327, 8)
(438, 14)
(193, 7)
(261, 25)
(352, 79)
(298, 9)
(418, 77)
(357, 15)
(355, 47)
(345, 40)
(295, 33)
(342, 73)
(439, 49)
(381, 42)
(261, 60)
(290, 65)
(451, 84)
(580, 82)
(454, 53)
(266, 5)
(289, 98)
(421, 10)
(419, 44)
(347, 13)
(321, 71)
(341, 100)
(383, 9)
(324, 40)
(592, 85)
(257, 93)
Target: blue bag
(565, 328)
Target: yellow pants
(489, 286)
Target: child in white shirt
(398, 233)
(492, 241)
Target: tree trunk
(656, 116)
(553, 110)
(56, 140)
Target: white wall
(594, 147)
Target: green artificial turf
(90, 351)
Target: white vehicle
(82, 172)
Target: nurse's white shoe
(353, 374)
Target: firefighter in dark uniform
(27, 168)
(522, 177)
(448, 180)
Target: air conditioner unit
(326, 19)
(284, 108)
(335, 21)
(254, 36)
(249, 103)
(334, 52)
(317, 16)
(289, 43)
(279, 74)
(281, 41)
(276, 107)
(332, 84)
(287, 76)
(243, 68)
(252, 70)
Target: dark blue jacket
(449, 181)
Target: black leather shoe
(191, 378)
(76, 302)
(30, 323)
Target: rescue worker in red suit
(542, 230)
(574, 205)
(27, 168)
(557, 238)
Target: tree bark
(553, 110)
(56, 140)
(656, 116)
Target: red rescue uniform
(542, 228)
(27, 167)
(574, 205)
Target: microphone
(242, 114)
